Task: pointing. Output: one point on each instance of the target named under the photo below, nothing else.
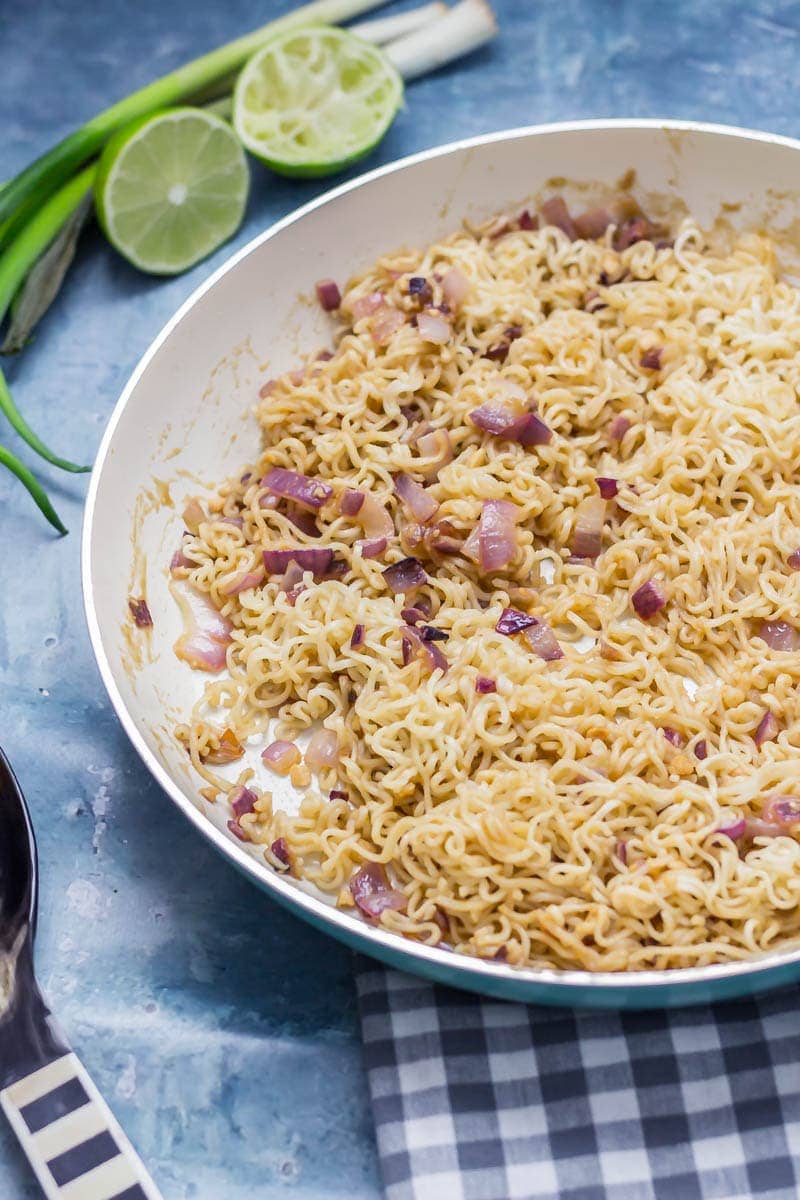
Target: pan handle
(71, 1138)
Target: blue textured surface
(223, 1030)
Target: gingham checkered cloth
(485, 1100)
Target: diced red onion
(373, 894)
(179, 562)
(455, 287)
(735, 829)
(374, 518)
(413, 616)
(140, 613)
(593, 223)
(228, 750)
(434, 328)
(555, 212)
(236, 522)
(280, 850)
(471, 546)
(419, 503)
(440, 539)
(328, 294)
(498, 352)
(322, 752)
(701, 750)
(634, 229)
(485, 686)
(301, 489)
(621, 851)
(649, 599)
(651, 359)
(793, 560)
(587, 536)
(513, 621)
(206, 633)
(193, 515)
(365, 306)
(779, 635)
(293, 592)
(531, 430)
(437, 447)
(267, 389)
(420, 288)
(372, 547)
(544, 642)
(443, 921)
(316, 559)
(241, 581)
(385, 323)
(607, 487)
(337, 570)
(526, 221)
(292, 576)
(358, 637)
(429, 633)
(405, 576)
(497, 534)
(350, 502)
(619, 426)
(503, 420)
(242, 801)
(782, 810)
(302, 520)
(608, 652)
(494, 418)
(338, 794)
(281, 756)
(673, 737)
(413, 640)
(767, 730)
(237, 831)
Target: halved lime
(171, 188)
(313, 100)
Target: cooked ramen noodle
(522, 554)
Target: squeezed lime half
(312, 101)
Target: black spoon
(67, 1131)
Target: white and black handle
(71, 1138)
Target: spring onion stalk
(29, 481)
(12, 225)
(463, 28)
(386, 29)
(38, 233)
(18, 422)
(51, 169)
(14, 266)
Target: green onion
(15, 264)
(51, 169)
(24, 430)
(37, 234)
(29, 480)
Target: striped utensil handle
(71, 1138)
